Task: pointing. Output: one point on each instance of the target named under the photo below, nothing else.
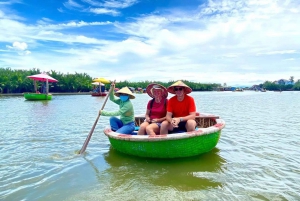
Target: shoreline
(89, 93)
(65, 93)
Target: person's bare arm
(177, 120)
(192, 116)
(147, 118)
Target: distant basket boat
(35, 96)
(238, 90)
(45, 95)
(99, 94)
(100, 90)
(175, 145)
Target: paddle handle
(87, 140)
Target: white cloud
(112, 4)
(10, 2)
(279, 52)
(44, 20)
(19, 47)
(46, 25)
(237, 42)
(104, 11)
(101, 8)
(60, 10)
(70, 4)
(290, 59)
(16, 31)
(120, 4)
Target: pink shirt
(158, 110)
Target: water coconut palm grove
(16, 81)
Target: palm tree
(292, 79)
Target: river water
(257, 157)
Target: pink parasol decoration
(42, 77)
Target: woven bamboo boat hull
(175, 145)
(34, 96)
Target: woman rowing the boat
(125, 124)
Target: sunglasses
(177, 89)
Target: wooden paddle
(87, 140)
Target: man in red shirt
(181, 110)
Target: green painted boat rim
(220, 124)
(35, 96)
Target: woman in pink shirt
(156, 110)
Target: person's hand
(100, 112)
(148, 119)
(154, 120)
(175, 122)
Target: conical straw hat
(152, 86)
(179, 83)
(125, 90)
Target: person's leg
(127, 128)
(115, 123)
(190, 125)
(152, 129)
(165, 127)
(142, 130)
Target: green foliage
(270, 86)
(16, 81)
(297, 85)
(276, 87)
(144, 84)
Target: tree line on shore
(16, 81)
(271, 86)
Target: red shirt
(181, 108)
(158, 110)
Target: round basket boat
(99, 94)
(175, 145)
(35, 96)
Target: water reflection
(184, 174)
(44, 102)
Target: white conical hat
(125, 90)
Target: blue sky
(238, 42)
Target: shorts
(180, 128)
(158, 124)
